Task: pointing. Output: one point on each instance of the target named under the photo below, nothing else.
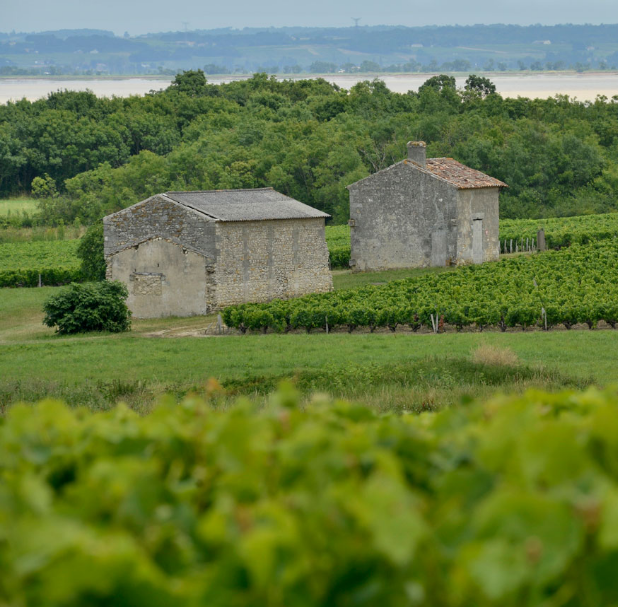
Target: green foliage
(575, 286)
(43, 187)
(191, 82)
(479, 84)
(439, 83)
(562, 232)
(475, 506)
(338, 241)
(92, 306)
(21, 263)
(90, 251)
(308, 139)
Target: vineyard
(503, 503)
(515, 234)
(21, 263)
(569, 287)
(561, 232)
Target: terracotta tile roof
(461, 176)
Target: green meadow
(17, 205)
(398, 371)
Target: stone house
(188, 253)
(424, 212)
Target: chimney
(417, 152)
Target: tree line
(86, 156)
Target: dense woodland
(85, 156)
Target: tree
(191, 82)
(322, 67)
(370, 66)
(90, 251)
(439, 83)
(44, 187)
(212, 68)
(91, 306)
(480, 84)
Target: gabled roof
(450, 171)
(461, 176)
(245, 205)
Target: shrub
(90, 251)
(506, 503)
(89, 307)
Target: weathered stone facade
(178, 261)
(423, 213)
(263, 260)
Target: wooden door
(477, 241)
(438, 248)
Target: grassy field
(388, 371)
(17, 205)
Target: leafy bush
(338, 241)
(475, 506)
(89, 307)
(90, 251)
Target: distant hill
(299, 49)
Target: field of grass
(17, 205)
(387, 371)
(41, 233)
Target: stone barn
(424, 212)
(188, 253)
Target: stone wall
(478, 205)
(159, 216)
(163, 278)
(262, 260)
(402, 218)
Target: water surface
(584, 87)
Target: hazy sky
(142, 16)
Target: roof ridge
(438, 168)
(224, 190)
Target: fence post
(326, 317)
(40, 281)
(540, 239)
(219, 324)
(511, 245)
